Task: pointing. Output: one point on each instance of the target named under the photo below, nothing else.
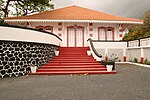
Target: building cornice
(81, 21)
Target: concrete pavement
(130, 83)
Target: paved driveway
(130, 83)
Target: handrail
(95, 53)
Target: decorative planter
(109, 68)
(108, 63)
(56, 53)
(33, 69)
(89, 53)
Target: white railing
(145, 42)
(12, 33)
(139, 43)
(134, 43)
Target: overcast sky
(126, 8)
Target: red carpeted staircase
(72, 60)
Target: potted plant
(33, 69)
(109, 68)
(113, 57)
(110, 64)
(56, 52)
(88, 52)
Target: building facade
(75, 25)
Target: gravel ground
(130, 83)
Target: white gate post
(142, 55)
(106, 54)
(124, 55)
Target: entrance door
(71, 37)
(80, 37)
(110, 33)
(101, 34)
(75, 36)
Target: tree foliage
(140, 31)
(23, 7)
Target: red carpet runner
(72, 60)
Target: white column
(124, 54)
(87, 34)
(63, 34)
(88, 27)
(142, 55)
(106, 54)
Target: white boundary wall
(147, 53)
(108, 49)
(133, 53)
(139, 49)
(27, 35)
(139, 53)
(124, 53)
(143, 42)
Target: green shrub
(2, 22)
(130, 60)
(135, 60)
(146, 62)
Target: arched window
(44, 28)
(110, 33)
(48, 28)
(109, 29)
(40, 28)
(102, 33)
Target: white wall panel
(19, 34)
(99, 45)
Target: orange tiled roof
(73, 13)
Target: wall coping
(27, 42)
(141, 65)
(107, 41)
(138, 47)
(13, 26)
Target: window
(109, 29)
(110, 33)
(44, 28)
(48, 28)
(101, 33)
(40, 29)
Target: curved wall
(22, 48)
(28, 35)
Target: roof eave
(89, 21)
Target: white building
(74, 25)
